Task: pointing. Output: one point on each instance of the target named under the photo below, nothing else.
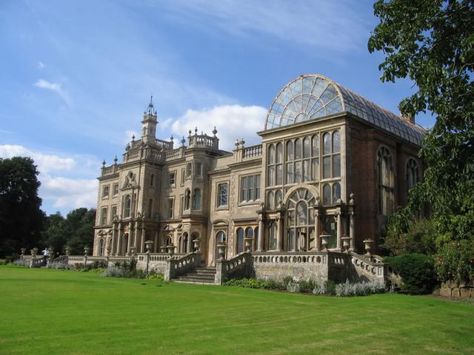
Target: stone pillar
(112, 240)
(316, 229)
(279, 233)
(352, 222)
(129, 241)
(189, 246)
(339, 230)
(260, 234)
(119, 242)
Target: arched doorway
(299, 220)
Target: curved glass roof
(313, 96)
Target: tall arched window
(197, 199)
(271, 200)
(278, 198)
(249, 233)
(315, 159)
(221, 237)
(327, 194)
(272, 236)
(336, 192)
(240, 241)
(412, 173)
(279, 164)
(385, 181)
(300, 220)
(271, 165)
(331, 155)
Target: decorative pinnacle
(171, 138)
(115, 160)
(183, 140)
(214, 131)
(103, 163)
(133, 138)
(195, 131)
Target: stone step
(197, 276)
(195, 279)
(203, 272)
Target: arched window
(298, 149)
(336, 192)
(330, 227)
(412, 173)
(326, 143)
(197, 199)
(271, 154)
(385, 181)
(289, 151)
(272, 236)
(299, 220)
(127, 206)
(279, 153)
(187, 199)
(327, 194)
(221, 237)
(255, 238)
(278, 198)
(331, 155)
(279, 164)
(249, 234)
(184, 243)
(240, 241)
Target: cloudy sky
(77, 75)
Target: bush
(348, 289)
(59, 266)
(21, 262)
(320, 289)
(417, 272)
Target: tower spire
(149, 123)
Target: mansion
(330, 168)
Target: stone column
(316, 229)
(119, 242)
(339, 230)
(260, 234)
(112, 240)
(351, 222)
(279, 233)
(189, 246)
(129, 241)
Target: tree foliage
(432, 44)
(20, 213)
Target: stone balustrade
(253, 151)
(180, 265)
(175, 154)
(370, 267)
(238, 266)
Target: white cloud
(45, 162)
(54, 87)
(326, 24)
(41, 65)
(64, 186)
(231, 121)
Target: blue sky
(77, 75)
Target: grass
(62, 312)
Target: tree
(80, 229)
(432, 44)
(54, 234)
(20, 214)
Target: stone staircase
(200, 275)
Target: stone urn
(325, 241)
(148, 245)
(34, 252)
(170, 248)
(133, 251)
(346, 243)
(86, 250)
(197, 245)
(163, 249)
(67, 251)
(248, 244)
(368, 246)
(221, 247)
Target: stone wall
(454, 290)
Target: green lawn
(48, 311)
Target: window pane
(326, 194)
(298, 149)
(278, 198)
(336, 192)
(271, 154)
(279, 153)
(306, 170)
(289, 151)
(279, 174)
(336, 142)
(326, 167)
(301, 214)
(271, 200)
(289, 173)
(316, 146)
(326, 143)
(336, 165)
(257, 187)
(298, 172)
(271, 175)
(315, 169)
(307, 147)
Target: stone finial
(115, 160)
(103, 163)
(214, 131)
(183, 140)
(237, 143)
(133, 138)
(195, 131)
(171, 138)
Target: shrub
(293, 286)
(59, 266)
(320, 289)
(114, 271)
(307, 286)
(21, 262)
(348, 289)
(417, 272)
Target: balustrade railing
(370, 266)
(179, 265)
(282, 258)
(252, 151)
(238, 266)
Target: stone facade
(330, 169)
